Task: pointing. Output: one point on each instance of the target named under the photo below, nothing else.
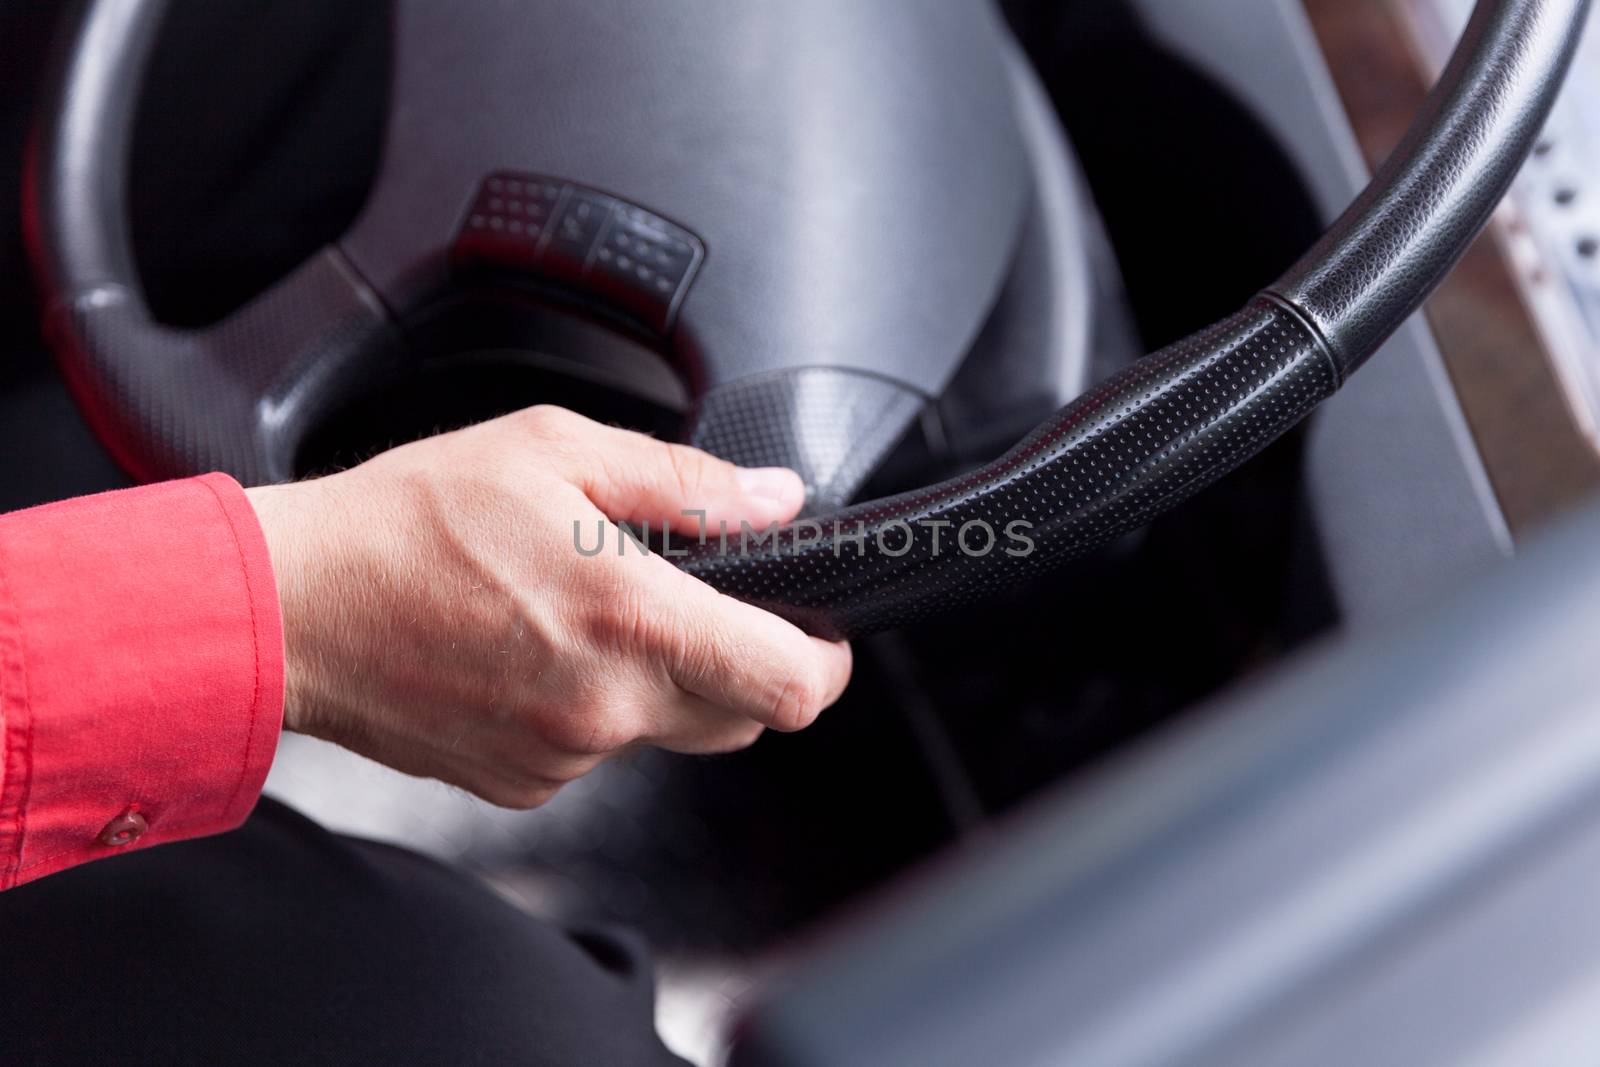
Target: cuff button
(125, 829)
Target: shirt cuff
(141, 672)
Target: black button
(574, 231)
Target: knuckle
(573, 769)
(691, 470)
(596, 732)
(520, 796)
(640, 619)
(624, 618)
(601, 586)
(693, 656)
(536, 795)
(745, 735)
(797, 703)
(495, 793)
(547, 420)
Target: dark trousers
(282, 943)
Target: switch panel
(595, 247)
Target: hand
(438, 616)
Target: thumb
(634, 478)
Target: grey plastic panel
(876, 244)
(1062, 321)
(1402, 503)
(1384, 855)
(1056, 320)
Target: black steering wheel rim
(1129, 449)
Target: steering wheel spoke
(236, 396)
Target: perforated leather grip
(1180, 419)
(1132, 448)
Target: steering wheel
(785, 362)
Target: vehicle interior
(1293, 763)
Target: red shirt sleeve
(141, 672)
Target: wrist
(281, 511)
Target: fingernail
(778, 484)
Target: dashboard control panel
(591, 246)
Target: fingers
(661, 627)
(634, 478)
(697, 727)
(640, 652)
(739, 657)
